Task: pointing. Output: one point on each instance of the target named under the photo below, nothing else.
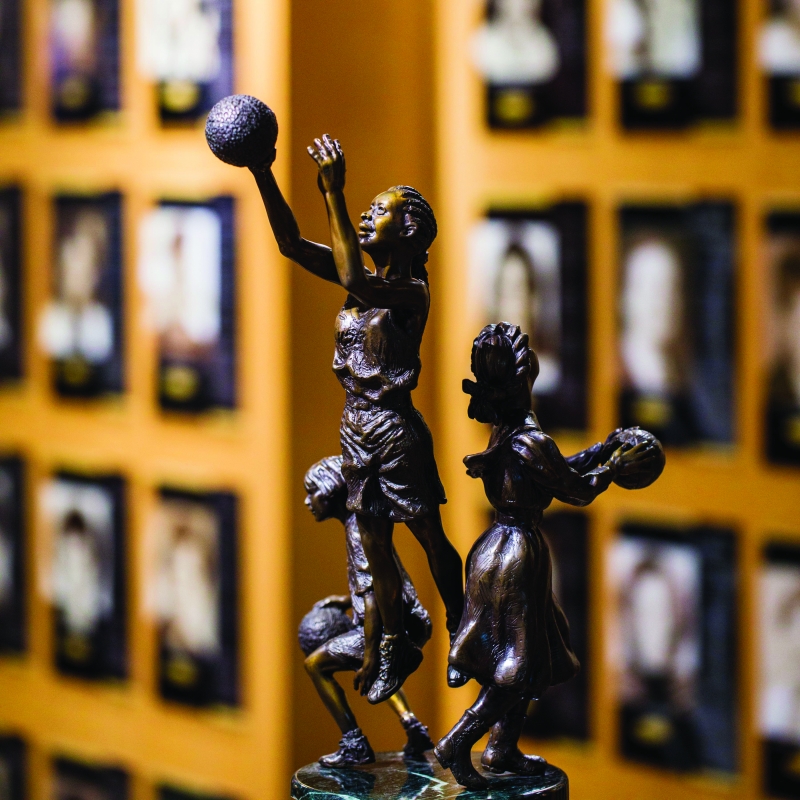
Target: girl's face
(319, 503)
(383, 226)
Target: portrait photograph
(529, 268)
(10, 283)
(531, 56)
(12, 556)
(80, 328)
(75, 780)
(779, 693)
(85, 520)
(779, 56)
(195, 589)
(10, 57)
(84, 58)
(676, 320)
(674, 61)
(13, 768)
(782, 339)
(563, 711)
(185, 47)
(674, 646)
(186, 271)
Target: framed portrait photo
(84, 58)
(85, 518)
(782, 344)
(674, 60)
(529, 268)
(10, 57)
(186, 270)
(675, 646)
(563, 711)
(13, 768)
(677, 319)
(531, 55)
(779, 56)
(196, 594)
(186, 50)
(12, 556)
(81, 327)
(779, 692)
(166, 792)
(10, 284)
(76, 780)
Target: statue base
(395, 777)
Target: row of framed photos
(676, 300)
(185, 270)
(184, 48)
(675, 61)
(72, 779)
(192, 589)
(674, 645)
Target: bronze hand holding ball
(513, 637)
(387, 449)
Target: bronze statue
(387, 449)
(333, 642)
(513, 637)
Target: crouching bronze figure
(513, 637)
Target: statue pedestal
(394, 777)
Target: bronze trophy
(514, 643)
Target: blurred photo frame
(81, 327)
(676, 614)
(779, 55)
(563, 711)
(84, 59)
(10, 57)
(779, 701)
(13, 556)
(11, 349)
(86, 520)
(532, 56)
(186, 270)
(677, 321)
(782, 390)
(675, 61)
(186, 50)
(196, 597)
(529, 267)
(166, 792)
(13, 768)
(77, 780)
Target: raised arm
(347, 255)
(316, 258)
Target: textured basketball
(643, 472)
(241, 130)
(320, 625)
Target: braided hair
(326, 475)
(503, 363)
(418, 211)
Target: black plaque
(677, 321)
(197, 597)
(782, 400)
(532, 56)
(10, 57)
(193, 309)
(13, 768)
(530, 268)
(84, 58)
(81, 329)
(75, 780)
(677, 618)
(12, 556)
(10, 284)
(87, 519)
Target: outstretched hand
(328, 154)
(626, 458)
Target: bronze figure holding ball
(510, 635)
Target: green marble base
(393, 777)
